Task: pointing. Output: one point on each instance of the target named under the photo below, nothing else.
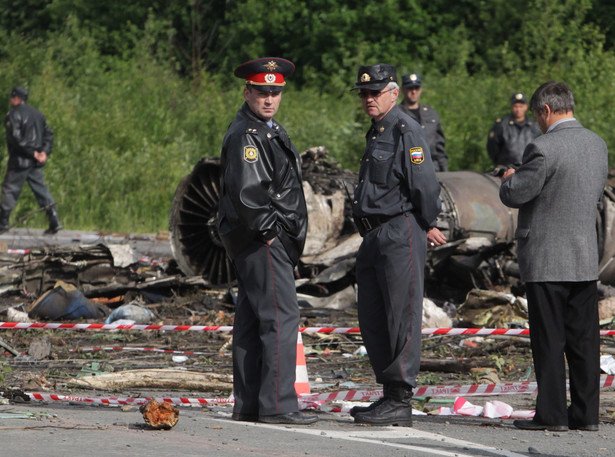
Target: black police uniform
(508, 138)
(261, 199)
(428, 118)
(395, 202)
(26, 132)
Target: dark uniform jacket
(507, 140)
(428, 118)
(26, 132)
(397, 174)
(262, 194)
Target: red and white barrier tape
(228, 328)
(182, 401)
(315, 400)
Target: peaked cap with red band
(266, 74)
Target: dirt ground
(335, 362)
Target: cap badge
(250, 154)
(518, 96)
(365, 78)
(413, 77)
(270, 78)
(416, 155)
(271, 65)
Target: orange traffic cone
(302, 384)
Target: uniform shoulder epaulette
(403, 126)
(252, 128)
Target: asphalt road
(77, 430)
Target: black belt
(368, 223)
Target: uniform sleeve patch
(250, 154)
(416, 155)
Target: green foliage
(137, 93)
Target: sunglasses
(372, 93)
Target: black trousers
(14, 181)
(265, 332)
(564, 322)
(390, 274)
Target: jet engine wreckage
(479, 255)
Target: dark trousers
(390, 273)
(265, 332)
(564, 322)
(14, 181)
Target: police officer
(395, 206)
(262, 225)
(29, 142)
(510, 135)
(427, 117)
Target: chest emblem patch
(416, 155)
(250, 154)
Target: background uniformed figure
(29, 142)
(427, 117)
(395, 207)
(262, 225)
(511, 134)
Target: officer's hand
(41, 156)
(507, 174)
(435, 237)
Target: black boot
(361, 409)
(394, 410)
(54, 222)
(4, 220)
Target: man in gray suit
(557, 189)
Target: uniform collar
(387, 122)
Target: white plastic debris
(607, 364)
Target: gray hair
(392, 85)
(556, 95)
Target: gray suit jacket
(557, 189)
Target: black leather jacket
(507, 140)
(26, 132)
(261, 190)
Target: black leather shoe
(585, 428)
(245, 417)
(297, 418)
(531, 425)
(389, 412)
(361, 409)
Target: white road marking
(379, 435)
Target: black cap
(266, 74)
(411, 80)
(375, 77)
(518, 97)
(19, 92)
